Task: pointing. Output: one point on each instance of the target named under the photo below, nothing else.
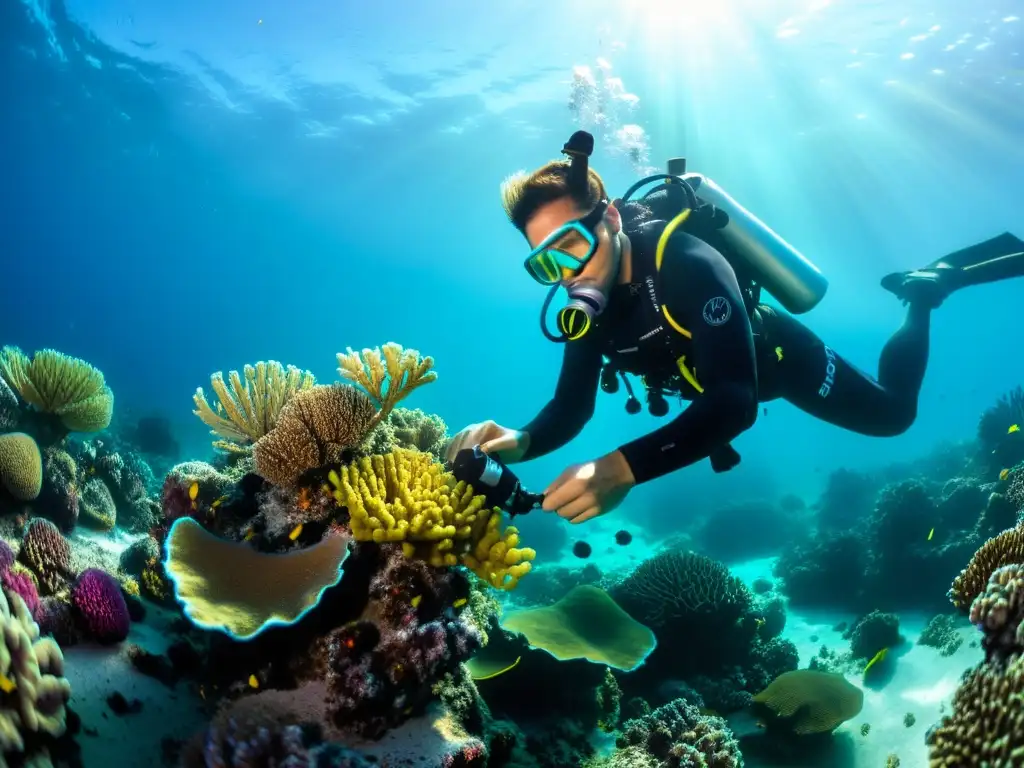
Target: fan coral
(21, 466)
(314, 429)
(47, 554)
(36, 667)
(1004, 549)
(100, 606)
(65, 386)
(816, 701)
(678, 734)
(10, 414)
(248, 411)
(408, 496)
(994, 422)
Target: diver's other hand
(509, 445)
(585, 491)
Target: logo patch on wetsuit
(717, 311)
(830, 373)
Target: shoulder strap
(659, 255)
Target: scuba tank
(753, 249)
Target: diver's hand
(509, 445)
(585, 491)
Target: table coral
(408, 496)
(36, 666)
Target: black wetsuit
(738, 357)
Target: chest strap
(659, 255)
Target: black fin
(993, 248)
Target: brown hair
(523, 193)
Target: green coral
(21, 466)
(65, 386)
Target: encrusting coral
(21, 466)
(247, 411)
(408, 496)
(65, 386)
(35, 666)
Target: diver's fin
(998, 258)
(724, 458)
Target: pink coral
(100, 607)
(21, 584)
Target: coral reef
(47, 554)
(248, 411)
(677, 734)
(388, 374)
(60, 497)
(941, 632)
(1005, 549)
(100, 607)
(10, 415)
(21, 466)
(96, 508)
(998, 446)
(408, 496)
(873, 632)
(54, 383)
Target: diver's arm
(694, 274)
(573, 404)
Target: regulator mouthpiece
(576, 318)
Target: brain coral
(21, 466)
(1006, 548)
(100, 606)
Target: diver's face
(603, 267)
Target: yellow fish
(930, 534)
(7, 685)
(295, 532)
(459, 603)
(253, 682)
(878, 658)
(193, 491)
(1013, 428)
(778, 353)
(249, 534)
(1003, 474)
(218, 502)
(416, 601)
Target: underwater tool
(491, 477)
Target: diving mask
(567, 250)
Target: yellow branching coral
(247, 411)
(313, 430)
(407, 496)
(388, 374)
(65, 386)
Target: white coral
(36, 666)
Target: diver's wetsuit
(737, 360)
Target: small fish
(193, 491)
(1003, 474)
(581, 549)
(760, 724)
(622, 538)
(407, 711)
(1013, 428)
(778, 353)
(249, 534)
(459, 603)
(930, 534)
(296, 531)
(416, 601)
(202, 693)
(878, 658)
(764, 411)
(253, 682)
(7, 685)
(218, 502)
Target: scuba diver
(667, 288)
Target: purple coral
(20, 583)
(381, 672)
(100, 607)
(6, 556)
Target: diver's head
(575, 233)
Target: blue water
(188, 189)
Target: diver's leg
(815, 379)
